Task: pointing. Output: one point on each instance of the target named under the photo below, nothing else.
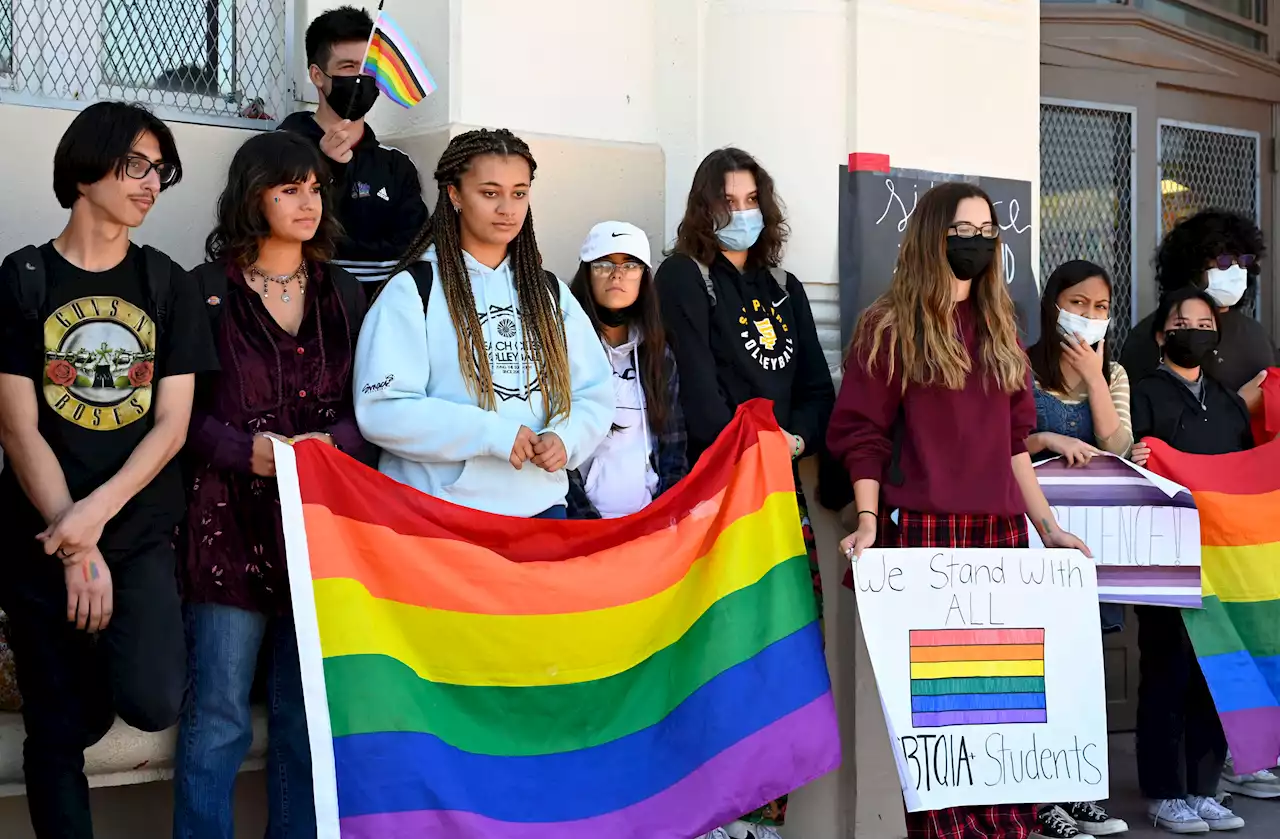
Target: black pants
(73, 684)
(1181, 747)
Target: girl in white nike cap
(644, 453)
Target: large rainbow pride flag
(1237, 634)
(468, 675)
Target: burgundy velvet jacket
(271, 381)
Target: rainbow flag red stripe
(395, 64)
(470, 675)
(1237, 634)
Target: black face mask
(351, 97)
(1189, 347)
(614, 317)
(969, 257)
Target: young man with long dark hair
(377, 191)
(643, 455)
(285, 325)
(100, 343)
(477, 374)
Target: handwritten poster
(1143, 530)
(875, 205)
(989, 667)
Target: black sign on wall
(874, 208)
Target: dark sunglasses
(1226, 260)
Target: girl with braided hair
(478, 374)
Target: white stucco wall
(949, 85)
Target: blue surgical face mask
(742, 231)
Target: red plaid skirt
(925, 530)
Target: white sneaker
(1094, 820)
(1261, 784)
(1214, 814)
(1176, 816)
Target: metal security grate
(210, 61)
(1206, 166)
(1087, 195)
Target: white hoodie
(412, 402)
(619, 478)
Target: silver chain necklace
(282, 280)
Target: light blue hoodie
(412, 401)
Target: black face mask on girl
(969, 257)
(1189, 347)
(351, 97)
(614, 317)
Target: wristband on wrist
(871, 513)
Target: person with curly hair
(1220, 252)
(284, 320)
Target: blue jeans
(560, 511)
(217, 730)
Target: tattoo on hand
(1046, 527)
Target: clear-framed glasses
(605, 268)
(965, 230)
(139, 167)
(1226, 260)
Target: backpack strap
(423, 277)
(351, 294)
(158, 270)
(780, 277)
(553, 286)
(32, 284)
(706, 280)
(211, 279)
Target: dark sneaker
(1093, 820)
(1052, 822)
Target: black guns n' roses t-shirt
(95, 355)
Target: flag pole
(368, 45)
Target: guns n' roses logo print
(100, 357)
(766, 336)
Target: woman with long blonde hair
(932, 422)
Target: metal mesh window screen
(219, 61)
(6, 36)
(1203, 167)
(1087, 197)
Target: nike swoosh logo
(778, 303)
(616, 235)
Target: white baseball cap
(616, 237)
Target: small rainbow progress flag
(395, 65)
(472, 676)
(977, 677)
(1237, 634)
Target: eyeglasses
(1226, 260)
(605, 268)
(139, 167)
(965, 230)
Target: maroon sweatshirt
(957, 445)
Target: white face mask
(1091, 330)
(1227, 286)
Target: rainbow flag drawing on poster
(395, 65)
(1237, 634)
(469, 675)
(977, 677)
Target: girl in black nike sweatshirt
(741, 328)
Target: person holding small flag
(378, 188)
